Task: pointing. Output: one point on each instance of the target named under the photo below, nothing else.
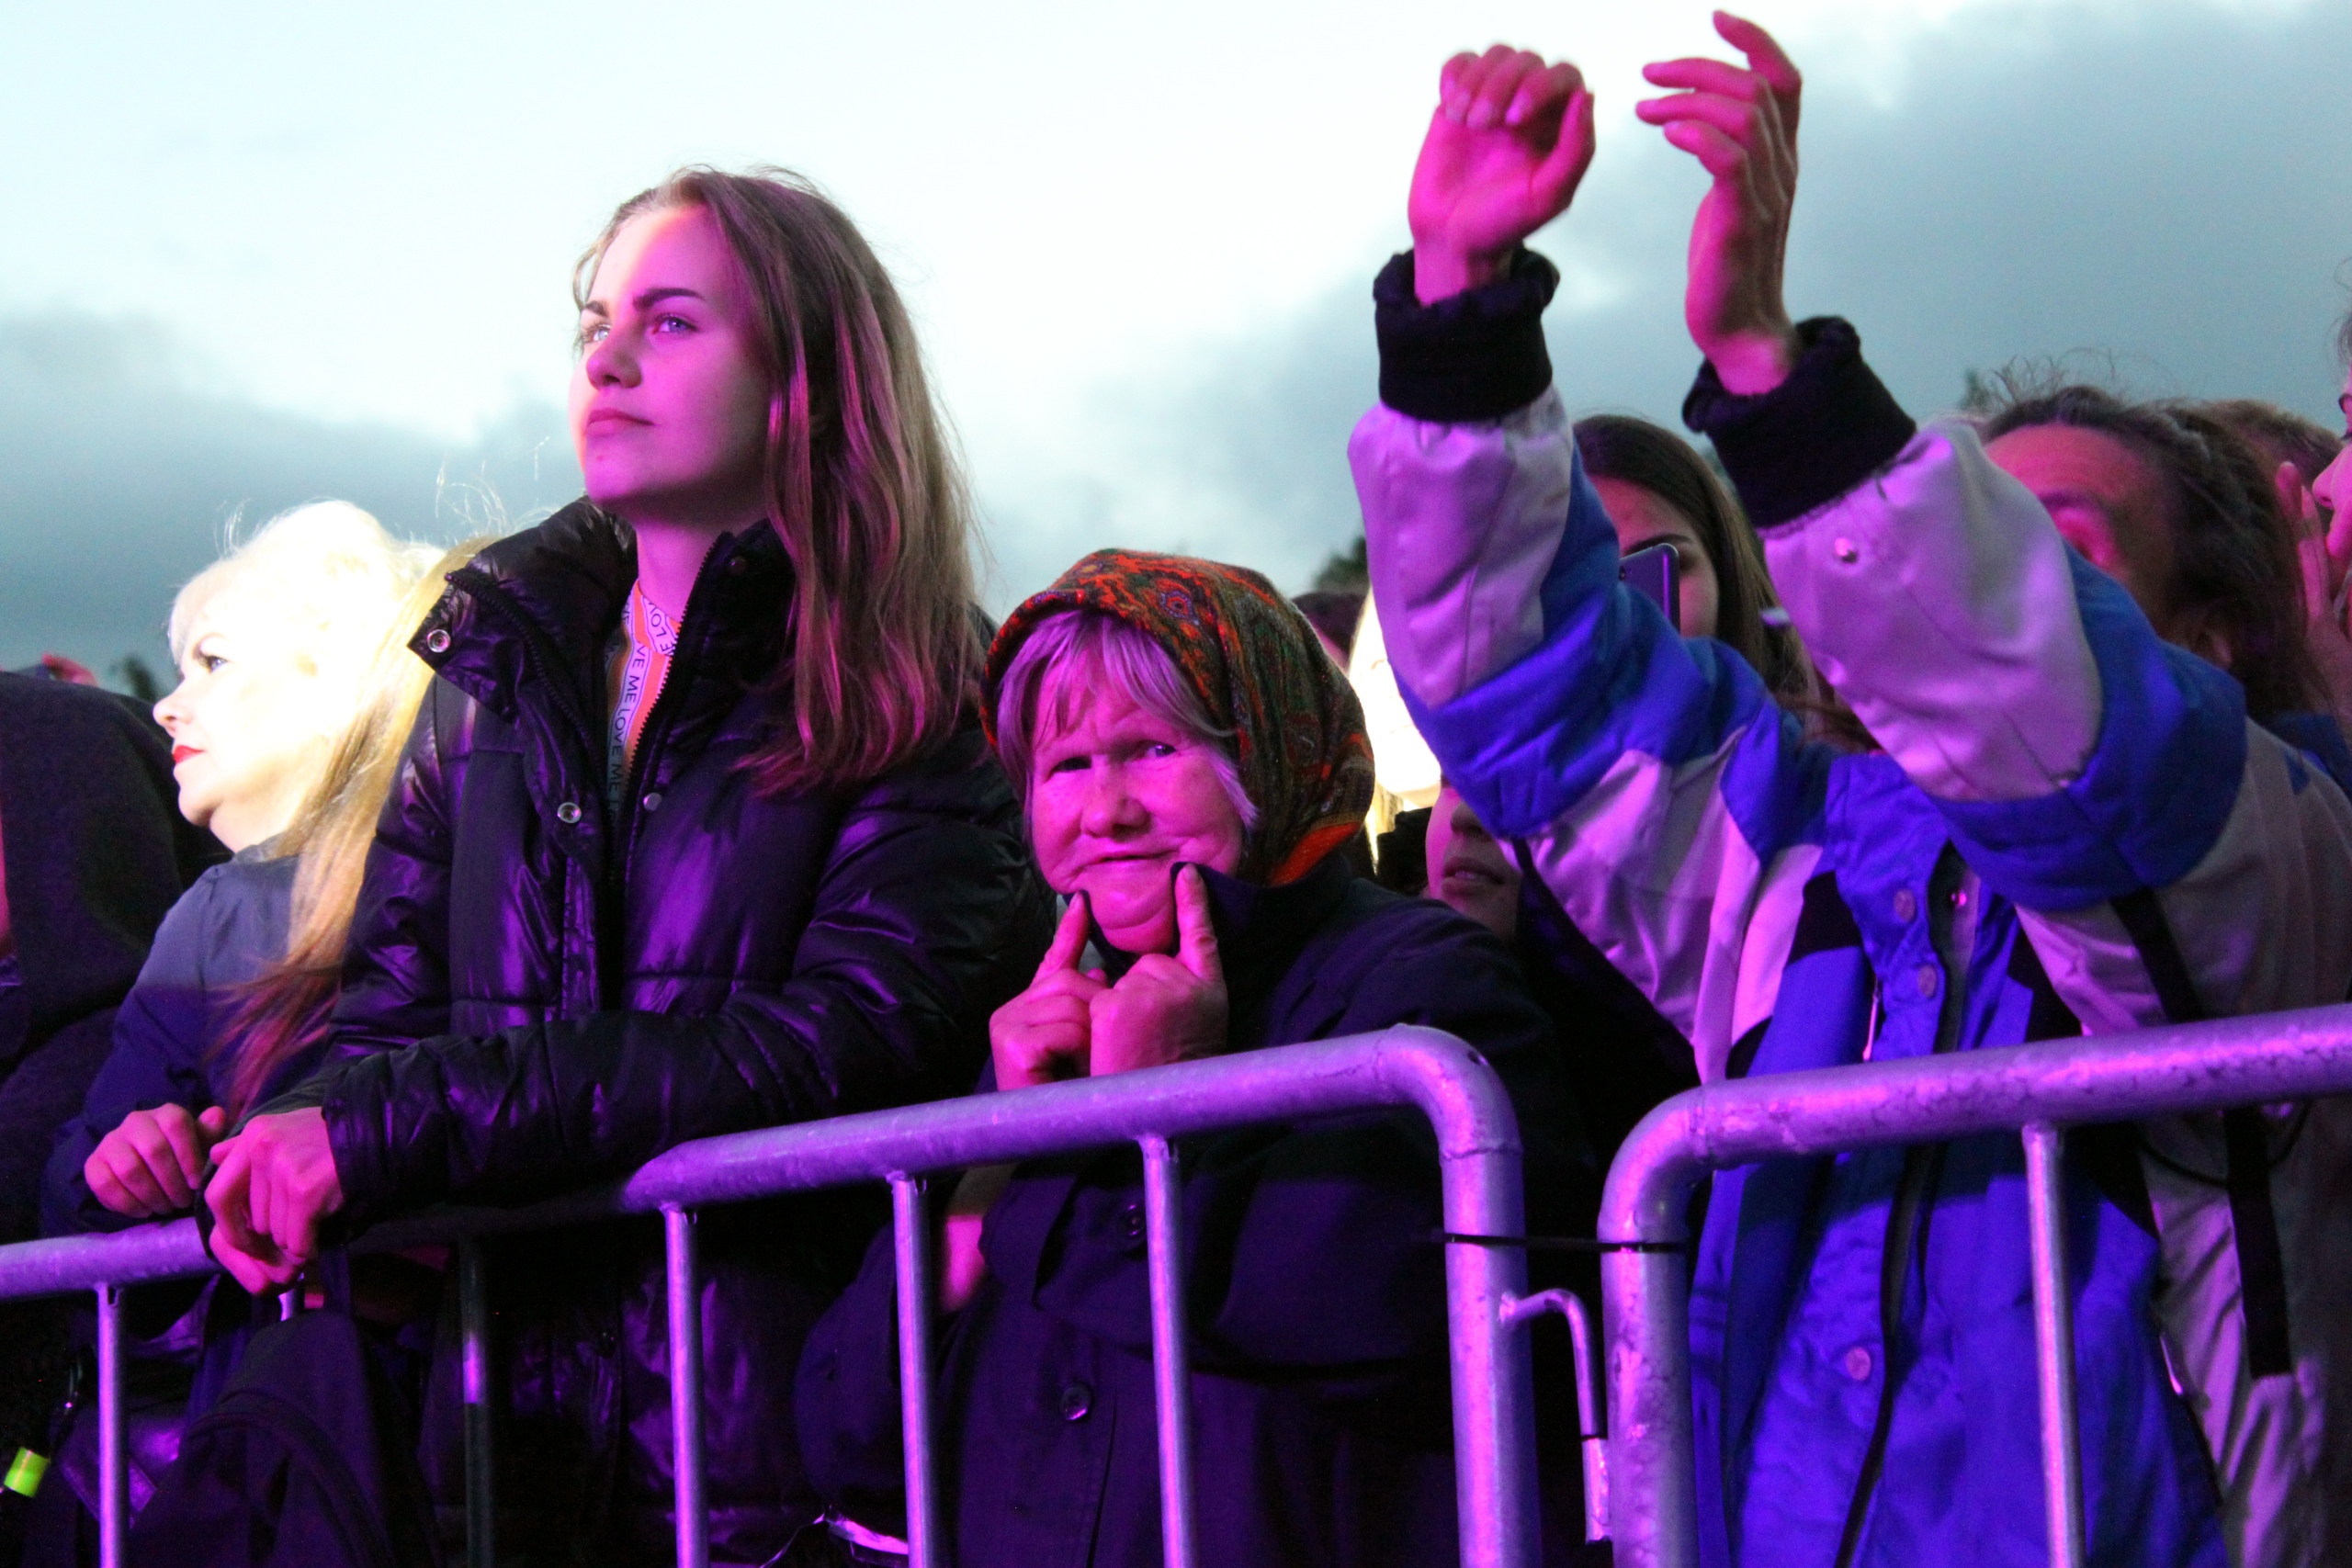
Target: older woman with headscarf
(1193, 765)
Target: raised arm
(2076, 757)
(1666, 800)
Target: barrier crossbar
(1446, 1081)
(2035, 1090)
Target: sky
(257, 254)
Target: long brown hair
(285, 1011)
(883, 653)
(1635, 452)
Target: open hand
(1510, 141)
(1043, 1033)
(1166, 1008)
(1742, 127)
(153, 1164)
(273, 1186)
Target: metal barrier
(2034, 1089)
(1478, 1152)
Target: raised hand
(273, 1184)
(1043, 1033)
(1742, 127)
(1510, 141)
(154, 1163)
(1166, 1008)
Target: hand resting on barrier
(273, 1184)
(154, 1161)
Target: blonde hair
(882, 656)
(321, 582)
(286, 1010)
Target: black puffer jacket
(542, 992)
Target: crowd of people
(712, 803)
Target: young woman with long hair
(697, 832)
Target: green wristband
(25, 1472)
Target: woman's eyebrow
(645, 301)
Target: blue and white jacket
(1789, 907)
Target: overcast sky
(256, 255)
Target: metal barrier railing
(2033, 1089)
(1486, 1304)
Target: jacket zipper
(692, 632)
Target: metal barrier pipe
(473, 1330)
(686, 1388)
(2114, 1078)
(114, 1460)
(2053, 1343)
(1172, 1363)
(1592, 1439)
(1447, 1082)
(910, 1239)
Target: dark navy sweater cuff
(1472, 356)
(1816, 435)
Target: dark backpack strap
(2262, 1270)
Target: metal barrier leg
(1592, 1436)
(1493, 1391)
(2053, 1333)
(1171, 1369)
(1646, 1312)
(910, 1233)
(686, 1388)
(473, 1328)
(114, 1480)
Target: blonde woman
(697, 832)
(277, 644)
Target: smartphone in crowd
(1654, 572)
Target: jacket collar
(1260, 930)
(534, 610)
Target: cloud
(2168, 184)
(2167, 181)
(126, 462)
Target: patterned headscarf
(1297, 728)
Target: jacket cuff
(1816, 435)
(1473, 356)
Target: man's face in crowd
(2106, 500)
